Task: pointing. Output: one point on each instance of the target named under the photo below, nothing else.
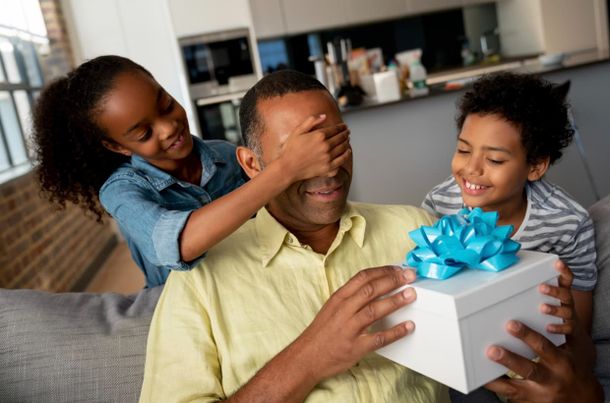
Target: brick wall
(41, 247)
(59, 60)
(47, 249)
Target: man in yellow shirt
(277, 312)
(280, 310)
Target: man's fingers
(366, 276)
(526, 368)
(374, 341)
(380, 308)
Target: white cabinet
(425, 6)
(550, 26)
(362, 11)
(195, 17)
(304, 16)
(268, 18)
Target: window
(23, 37)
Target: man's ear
(248, 161)
(538, 169)
(116, 148)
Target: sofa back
(73, 347)
(600, 213)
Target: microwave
(218, 63)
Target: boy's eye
(462, 151)
(495, 162)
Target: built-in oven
(218, 63)
(219, 118)
(220, 68)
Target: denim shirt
(152, 206)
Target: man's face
(314, 202)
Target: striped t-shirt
(553, 223)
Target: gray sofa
(81, 347)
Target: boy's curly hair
(71, 162)
(535, 106)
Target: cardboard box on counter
(457, 319)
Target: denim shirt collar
(162, 180)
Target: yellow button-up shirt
(215, 326)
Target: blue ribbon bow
(468, 238)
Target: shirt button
(290, 240)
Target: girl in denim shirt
(109, 132)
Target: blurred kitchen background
(397, 68)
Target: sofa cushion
(74, 346)
(600, 213)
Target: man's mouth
(326, 193)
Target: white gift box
(457, 319)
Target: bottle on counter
(417, 76)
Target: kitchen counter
(463, 78)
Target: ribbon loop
(469, 238)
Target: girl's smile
(140, 117)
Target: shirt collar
(272, 235)
(161, 179)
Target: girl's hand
(309, 153)
(563, 293)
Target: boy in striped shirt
(512, 128)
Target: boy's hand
(309, 153)
(563, 293)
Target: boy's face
(313, 202)
(490, 165)
(140, 118)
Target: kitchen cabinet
(363, 11)
(305, 16)
(268, 18)
(475, 2)
(424, 6)
(550, 26)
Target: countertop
(465, 76)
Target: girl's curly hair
(535, 106)
(71, 162)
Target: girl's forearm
(213, 222)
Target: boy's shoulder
(548, 198)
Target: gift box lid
(472, 290)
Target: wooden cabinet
(268, 18)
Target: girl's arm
(307, 153)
